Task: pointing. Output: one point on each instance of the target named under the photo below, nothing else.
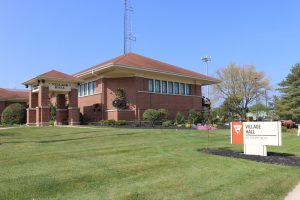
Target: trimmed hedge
(14, 114)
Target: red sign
(237, 133)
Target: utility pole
(206, 59)
(128, 35)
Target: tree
(241, 86)
(14, 114)
(288, 105)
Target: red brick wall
(91, 107)
(138, 97)
(129, 84)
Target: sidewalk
(294, 194)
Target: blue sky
(71, 35)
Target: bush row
(112, 122)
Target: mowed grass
(110, 163)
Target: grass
(110, 163)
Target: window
(170, 87)
(85, 89)
(150, 85)
(157, 86)
(90, 90)
(94, 87)
(188, 89)
(164, 86)
(182, 88)
(176, 88)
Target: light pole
(206, 59)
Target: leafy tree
(288, 106)
(52, 112)
(240, 86)
(14, 114)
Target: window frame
(157, 81)
(166, 87)
(188, 89)
(152, 85)
(176, 91)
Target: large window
(182, 88)
(188, 89)
(170, 87)
(176, 88)
(164, 86)
(150, 85)
(87, 89)
(157, 86)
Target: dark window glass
(157, 86)
(176, 88)
(164, 86)
(170, 87)
(150, 85)
(182, 88)
(188, 89)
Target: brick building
(9, 96)
(148, 83)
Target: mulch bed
(272, 158)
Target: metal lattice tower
(128, 35)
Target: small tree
(179, 118)
(120, 100)
(151, 115)
(14, 114)
(52, 112)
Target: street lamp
(206, 59)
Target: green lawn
(108, 163)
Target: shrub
(195, 117)
(14, 114)
(179, 118)
(163, 114)
(167, 123)
(121, 122)
(110, 122)
(151, 115)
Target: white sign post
(256, 136)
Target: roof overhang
(109, 66)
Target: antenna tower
(128, 35)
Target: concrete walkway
(294, 194)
